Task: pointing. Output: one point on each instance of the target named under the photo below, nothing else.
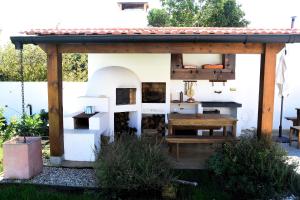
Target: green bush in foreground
(254, 168)
(132, 164)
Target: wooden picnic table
(201, 120)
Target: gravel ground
(293, 154)
(62, 177)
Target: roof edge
(224, 38)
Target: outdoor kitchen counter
(231, 104)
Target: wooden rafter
(217, 48)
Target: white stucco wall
(244, 89)
(104, 82)
(36, 94)
(142, 67)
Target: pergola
(266, 42)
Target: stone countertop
(231, 104)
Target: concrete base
(81, 144)
(56, 160)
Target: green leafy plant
(25, 126)
(254, 168)
(2, 119)
(7, 131)
(34, 60)
(193, 13)
(29, 126)
(10, 130)
(133, 164)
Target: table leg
(298, 134)
(177, 151)
(291, 136)
(170, 148)
(224, 131)
(234, 129)
(170, 129)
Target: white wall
(145, 67)
(244, 89)
(104, 82)
(36, 94)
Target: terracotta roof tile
(161, 31)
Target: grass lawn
(26, 192)
(207, 189)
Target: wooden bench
(295, 129)
(197, 140)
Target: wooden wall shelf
(179, 73)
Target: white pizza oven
(111, 90)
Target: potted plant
(22, 155)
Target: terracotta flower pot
(22, 160)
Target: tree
(223, 13)
(75, 67)
(159, 17)
(35, 65)
(192, 13)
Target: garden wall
(36, 94)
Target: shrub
(25, 126)
(132, 164)
(254, 168)
(30, 125)
(10, 130)
(2, 120)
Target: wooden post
(55, 102)
(298, 117)
(267, 89)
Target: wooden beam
(266, 89)
(43, 47)
(217, 48)
(55, 102)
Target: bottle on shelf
(181, 96)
